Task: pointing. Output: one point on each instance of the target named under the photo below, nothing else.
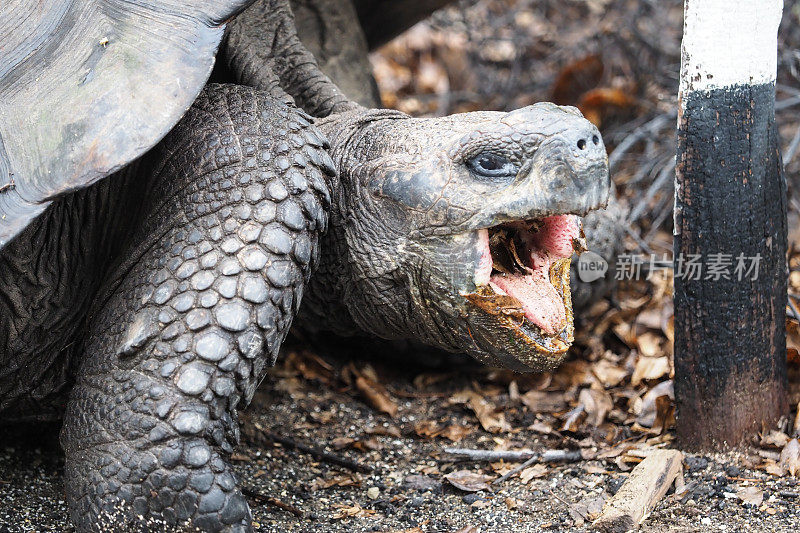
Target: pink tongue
(557, 234)
(541, 303)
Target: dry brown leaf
(647, 410)
(513, 391)
(774, 439)
(469, 481)
(572, 374)
(544, 402)
(342, 442)
(796, 425)
(648, 368)
(310, 366)
(665, 415)
(387, 431)
(430, 470)
(790, 457)
(616, 451)
(649, 344)
(367, 445)
(599, 104)
(430, 429)
(772, 467)
(291, 386)
(455, 432)
(536, 471)
(427, 429)
(501, 467)
(792, 356)
(609, 374)
(572, 419)
(577, 78)
(341, 480)
(650, 318)
(593, 469)
(541, 427)
(351, 510)
(491, 420)
(597, 404)
(751, 495)
(324, 417)
(373, 392)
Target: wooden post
(730, 219)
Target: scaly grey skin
(156, 298)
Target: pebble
(416, 502)
(733, 471)
(422, 483)
(469, 499)
(373, 493)
(696, 464)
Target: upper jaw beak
(543, 190)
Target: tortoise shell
(87, 86)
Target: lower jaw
(512, 339)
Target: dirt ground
(307, 400)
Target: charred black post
(730, 227)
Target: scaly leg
(199, 306)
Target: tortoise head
(459, 231)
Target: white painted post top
(729, 42)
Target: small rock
(733, 471)
(373, 493)
(696, 464)
(416, 502)
(386, 508)
(613, 485)
(469, 499)
(421, 483)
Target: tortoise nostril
(595, 139)
(582, 144)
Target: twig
(794, 309)
(272, 501)
(317, 453)
(530, 457)
(650, 128)
(518, 468)
(466, 454)
(787, 102)
(792, 148)
(635, 236)
(666, 173)
(656, 224)
(547, 456)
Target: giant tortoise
(148, 282)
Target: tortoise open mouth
(522, 278)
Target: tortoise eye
(492, 165)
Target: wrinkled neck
(262, 50)
(325, 303)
